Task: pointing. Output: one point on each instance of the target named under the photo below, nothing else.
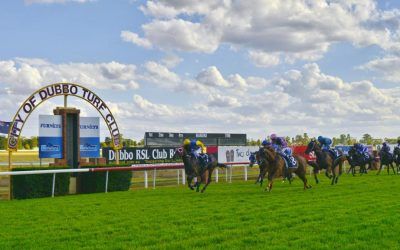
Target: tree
(34, 142)
(366, 139)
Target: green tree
(34, 142)
(366, 139)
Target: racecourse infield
(360, 212)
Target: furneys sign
(61, 89)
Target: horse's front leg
(207, 180)
(380, 168)
(189, 180)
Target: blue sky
(255, 67)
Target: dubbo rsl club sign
(142, 155)
(61, 89)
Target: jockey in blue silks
(325, 143)
(197, 149)
(252, 157)
(266, 143)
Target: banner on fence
(345, 148)
(89, 131)
(50, 136)
(300, 150)
(235, 154)
(142, 155)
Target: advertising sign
(50, 136)
(142, 155)
(235, 154)
(89, 131)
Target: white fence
(181, 178)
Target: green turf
(358, 213)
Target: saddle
(334, 153)
(290, 161)
(203, 159)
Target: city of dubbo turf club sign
(61, 89)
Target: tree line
(343, 139)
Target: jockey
(266, 143)
(281, 147)
(385, 148)
(361, 149)
(197, 149)
(325, 143)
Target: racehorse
(276, 165)
(387, 159)
(396, 156)
(325, 160)
(262, 164)
(193, 168)
(355, 158)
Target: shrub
(94, 182)
(38, 185)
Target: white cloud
(22, 75)
(296, 101)
(262, 59)
(212, 77)
(387, 66)
(161, 75)
(272, 31)
(134, 38)
(171, 61)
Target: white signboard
(235, 154)
(50, 126)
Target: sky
(219, 66)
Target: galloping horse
(356, 159)
(396, 156)
(387, 159)
(276, 165)
(325, 160)
(193, 168)
(262, 164)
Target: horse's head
(179, 152)
(312, 146)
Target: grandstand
(209, 139)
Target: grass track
(358, 213)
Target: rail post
(54, 185)
(146, 184)
(230, 173)
(245, 173)
(226, 173)
(154, 179)
(178, 176)
(183, 177)
(106, 182)
(216, 175)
